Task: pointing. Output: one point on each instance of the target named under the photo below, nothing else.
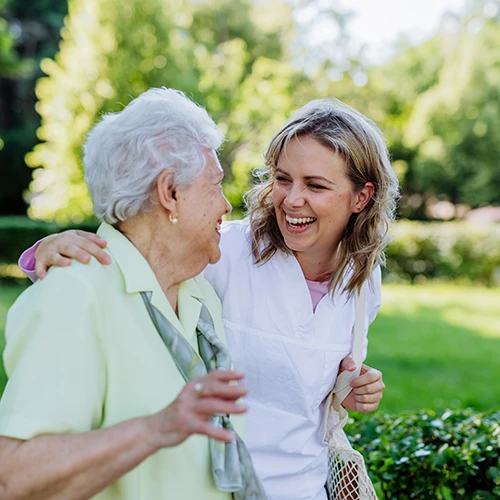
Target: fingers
(92, 237)
(81, 249)
(366, 408)
(347, 364)
(369, 376)
(214, 432)
(367, 403)
(362, 403)
(215, 394)
(207, 407)
(201, 399)
(219, 385)
(225, 375)
(52, 259)
(88, 244)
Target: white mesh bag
(347, 475)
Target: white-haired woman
(315, 233)
(112, 368)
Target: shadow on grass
(429, 363)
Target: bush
(419, 251)
(18, 233)
(448, 455)
(445, 251)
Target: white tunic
(290, 357)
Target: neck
(151, 238)
(317, 266)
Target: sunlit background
(426, 71)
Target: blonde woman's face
(313, 198)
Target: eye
(280, 178)
(316, 186)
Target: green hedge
(448, 455)
(18, 233)
(419, 251)
(444, 251)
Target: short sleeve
(373, 302)
(54, 359)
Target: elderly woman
(315, 233)
(108, 365)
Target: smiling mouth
(300, 222)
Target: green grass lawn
(437, 345)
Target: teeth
(303, 220)
(218, 226)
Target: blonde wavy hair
(361, 144)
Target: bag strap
(341, 389)
(359, 328)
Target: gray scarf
(232, 465)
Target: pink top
(27, 261)
(317, 289)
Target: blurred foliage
(29, 31)
(250, 64)
(17, 233)
(420, 251)
(444, 251)
(446, 455)
(112, 50)
(439, 105)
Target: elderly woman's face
(201, 207)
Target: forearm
(72, 467)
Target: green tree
(112, 50)
(29, 30)
(455, 125)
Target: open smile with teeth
(299, 222)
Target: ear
(166, 191)
(363, 197)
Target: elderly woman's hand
(367, 388)
(59, 249)
(197, 403)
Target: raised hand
(196, 404)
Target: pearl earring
(173, 220)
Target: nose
(295, 197)
(229, 207)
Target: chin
(215, 258)
(294, 245)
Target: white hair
(125, 152)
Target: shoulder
(61, 283)
(77, 288)
(236, 234)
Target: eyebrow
(308, 177)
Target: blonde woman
(315, 232)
